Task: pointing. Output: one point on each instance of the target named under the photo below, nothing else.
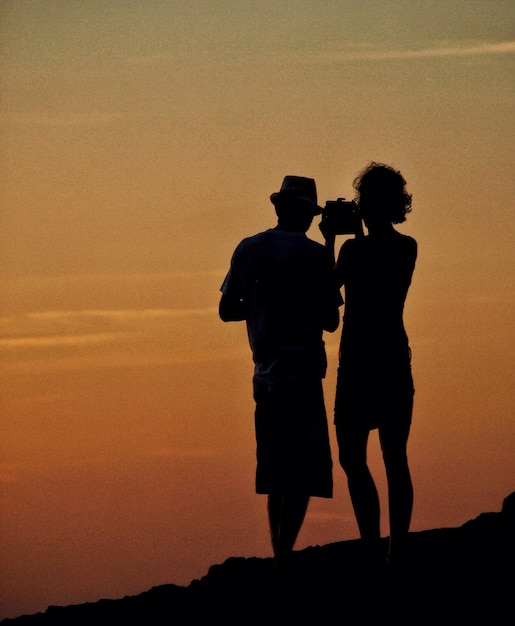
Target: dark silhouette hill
(456, 576)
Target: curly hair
(383, 184)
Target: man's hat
(299, 188)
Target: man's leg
(292, 517)
(274, 519)
(286, 515)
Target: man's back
(285, 280)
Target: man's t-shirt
(287, 285)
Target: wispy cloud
(63, 120)
(75, 328)
(91, 339)
(194, 453)
(9, 472)
(148, 60)
(353, 53)
(119, 315)
(327, 517)
(62, 340)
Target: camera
(341, 217)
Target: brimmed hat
(299, 188)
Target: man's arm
(330, 240)
(331, 302)
(231, 309)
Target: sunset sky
(140, 142)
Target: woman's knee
(352, 450)
(351, 462)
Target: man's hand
(327, 231)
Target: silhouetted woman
(374, 382)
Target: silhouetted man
(282, 284)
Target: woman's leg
(352, 448)
(400, 487)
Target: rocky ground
(452, 576)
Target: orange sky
(140, 143)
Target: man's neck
(289, 228)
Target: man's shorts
(292, 439)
